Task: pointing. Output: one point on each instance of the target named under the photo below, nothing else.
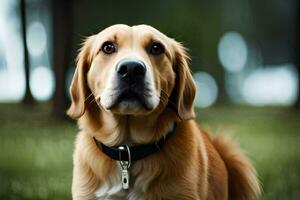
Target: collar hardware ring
(124, 164)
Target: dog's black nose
(131, 70)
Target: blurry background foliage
(245, 60)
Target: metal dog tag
(125, 166)
(125, 179)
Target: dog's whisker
(165, 95)
(89, 96)
(164, 92)
(93, 100)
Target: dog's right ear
(79, 87)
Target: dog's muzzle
(133, 89)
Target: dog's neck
(114, 130)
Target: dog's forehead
(115, 29)
(147, 29)
(122, 31)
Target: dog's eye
(157, 48)
(108, 48)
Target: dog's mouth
(131, 96)
(130, 100)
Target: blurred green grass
(36, 150)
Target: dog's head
(132, 71)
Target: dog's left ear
(185, 88)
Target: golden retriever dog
(132, 94)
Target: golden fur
(190, 165)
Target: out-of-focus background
(245, 60)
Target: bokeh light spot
(42, 83)
(232, 51)
(207, 90)
(36, 38)
(271, 86)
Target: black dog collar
(134, 153)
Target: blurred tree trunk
(298, 51)
(28, 99)
(62, 46)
